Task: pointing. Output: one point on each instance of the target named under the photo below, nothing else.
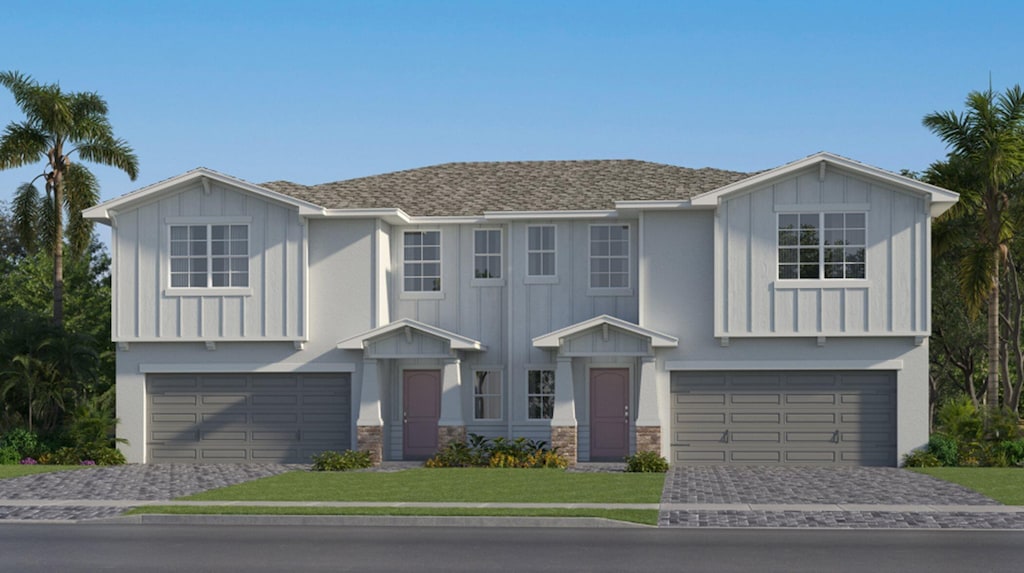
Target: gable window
(422, 261)
(209, 256)
(487, 254)
(487, 395)
(822, 245)
(540, 250)
(609, 256)
(540, 394)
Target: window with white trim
(540, 394)
(422, 261)
(540, 250)
(487, 395)
(609, 256)
(209, 256)
(487, 253)
(822, 245)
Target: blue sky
(321, 91)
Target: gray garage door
(811, 418)
(246, 417)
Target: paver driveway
(129, 482)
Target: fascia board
(107, 210)
(938, 194)
(527, 215)
(392, 215)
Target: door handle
(725, 437)
(835, 437)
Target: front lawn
(643, 516)
(13, 471)
(1005, 485)
(448, 484)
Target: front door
(609, 414)
(421, 408)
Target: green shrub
(331, 461)
(960, 419)
(102, 456)
(9, 455)
(921, 459)
(1001, 424)
(1014, 451)
(66, 456)
(646, 462)
(945, 449)
(22, 440)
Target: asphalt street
(40, 547)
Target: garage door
(811, 418)
(246, 418)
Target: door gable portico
(605, 336)
(407, 338)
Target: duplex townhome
(606, 307)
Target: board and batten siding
(273, 307)
(893, 299)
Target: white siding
(273, 310)
(892, 300)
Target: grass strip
(12, 471)
(1005, 485)
(448, 484)
(642, 516)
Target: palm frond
(975, 277)
(22, 144)
(26, 209)
(113, 152)
(81, 191)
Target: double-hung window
(540, 250)
(822, 245)
(486, 254)
(609, 256)
(540, 394)
(422, 261)
(487, 395)
(209, 256)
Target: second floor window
(209, 256)
(822, 245)
(609, 256)
(540, 250)
(487, 254)
(422, 261)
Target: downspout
(508, 332)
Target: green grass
(448, 484)
(13, 471)
(643, 516)
(1005, 485)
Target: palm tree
(986, 152)
(57, 125)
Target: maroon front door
(609, 414)
(421, 405)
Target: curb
(369, 521)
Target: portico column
(563, 420)
(451, 426)
(648, 419)
(370, 425)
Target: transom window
(822, 245)
(487, 254)
(422, 263)
(487, 395)
(540, 394)
(609, 256)
(209, 256)
(540, 250)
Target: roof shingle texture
(469, 189)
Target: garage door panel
(756, 418)
(791, 417)
(258, 417)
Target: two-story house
(780, 317)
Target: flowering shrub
(479, 451)
(28, 462)
(88, 463)
(331, 461)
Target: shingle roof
(466, 189)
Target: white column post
(648, 417)
(369, 396)
(451, 394)
(565, 401)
